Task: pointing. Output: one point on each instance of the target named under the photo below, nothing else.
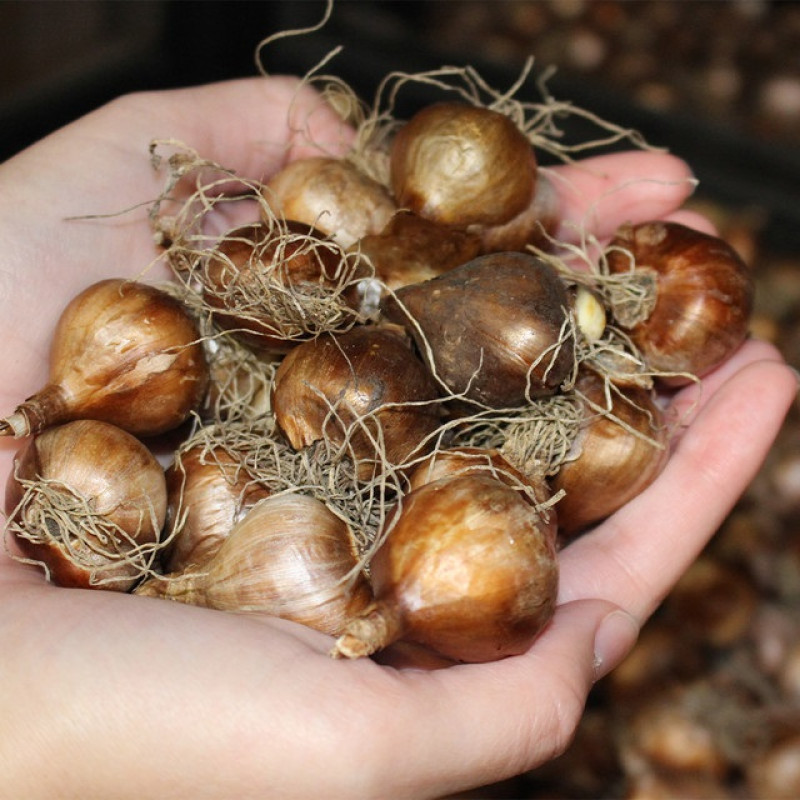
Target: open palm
(110, 695)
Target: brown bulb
(703, 296)
(535, 225)
(208, 492)
(617, 453)
(88, 501)
(455, 461)
(495, 330)
(332, 195)
(275, 285)
(290, 556)
(123, 352)
(411, 249)
(365, 388)
(467, 568)
(462, 165)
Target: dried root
(53, 516)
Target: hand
(111, 695)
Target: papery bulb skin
(122, 352)
(290, 556)
(366, 386)
(468, 569)
(614, 457)
(462, 165)
(97, 505)
(275, 285)
(703, 301)
(208, 492)
(495, 330)
(332, 195)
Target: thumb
(614, 638)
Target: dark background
(61, 59)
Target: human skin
(108, 695)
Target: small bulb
(590, 314)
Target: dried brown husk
(107, 554)
(333, 195)
(703, 295)
(535, 225)
(122, 351)
(613, 354)
(705, 291)
(450, 461)
(461, 165)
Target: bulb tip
(15, 425)
(350, 646)
(377, 627)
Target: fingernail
(614, 639)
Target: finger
(479, 723)
(635, 557)
(251, 126)
(692, 219)
(688, 401)
(601, 193)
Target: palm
(137, 685)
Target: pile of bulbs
(397, 398)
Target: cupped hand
(111, 695)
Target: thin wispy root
(53, 514)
